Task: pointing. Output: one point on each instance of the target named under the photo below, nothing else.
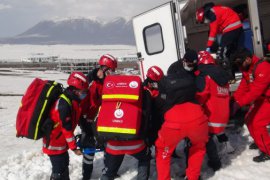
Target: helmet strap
(104, 68)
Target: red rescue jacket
(65, 114)
(91, 103)
(254, 83)
(226, 20)
(215, 100)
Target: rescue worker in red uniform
(254, 90)
(153, 104)
(116, 150)
(65, 115)
(223, 20)
(107, 64)
(183, 119)
(213, 94)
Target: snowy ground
(22, 159)
(17, 52)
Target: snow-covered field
(10, 53)
(22, 159)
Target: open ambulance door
(156, 37)
(256, 27)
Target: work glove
(234, 107)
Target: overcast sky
(16, 16)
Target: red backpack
(120, 113)
(35, 106)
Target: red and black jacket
(222, 19)
(65, 115)
(213, 94)
(255, 83)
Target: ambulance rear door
(256, 27)
(156, 37)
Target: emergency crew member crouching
(183, 119)
(223, 20)
(213, 93)
(91, 104)
(254, 90)
(65, 115)
(116, 149)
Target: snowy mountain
(76, 31)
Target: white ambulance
(164, 33)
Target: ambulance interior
(197, 34)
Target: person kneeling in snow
(65, 115)
(254, 90)
(184, 118)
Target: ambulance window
(153, 39)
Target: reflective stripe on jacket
(124, 147)
(226, 20)
(61, 138)
(215, 101)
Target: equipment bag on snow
(35, 106)
(121, 108)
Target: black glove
(86, 126)
(46, 129)
(87, 141)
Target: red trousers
(175, 128)
(257, 120)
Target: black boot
(261, 158)
(212, 153)
(253, 146)
(174, 155)
(215, 165)
(185, 178)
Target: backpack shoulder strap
(66, 99)
(255, 67)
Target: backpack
(120, 113)
(176, 88)
(257, 63)
(34, 110)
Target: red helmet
(205, 58)
(155, 73)
(108, 60)
(78, 80)
(200, 15)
